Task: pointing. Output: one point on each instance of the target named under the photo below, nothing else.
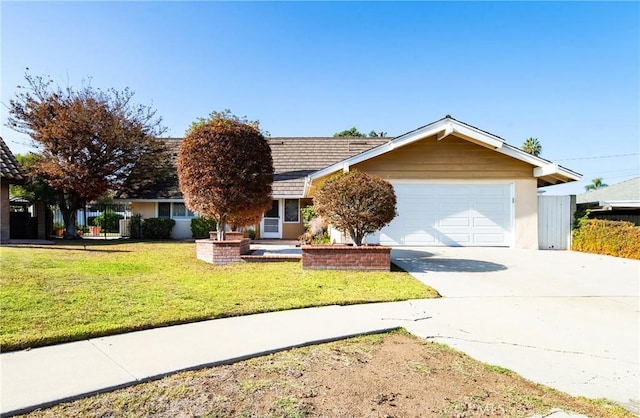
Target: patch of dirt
(388, 375)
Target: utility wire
(598, 157)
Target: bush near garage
(616, 238)
(157, 228)
(200, 227)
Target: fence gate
(554, 222)
(98, 221)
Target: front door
(270, 225)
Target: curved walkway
(567, 320)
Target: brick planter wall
(342, 257)
(222, 252)
(229, 236)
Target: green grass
(59, 293)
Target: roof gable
(548, 173)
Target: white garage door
(451, 215)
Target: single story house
(11, 172)
(456, 185)
(618, 202)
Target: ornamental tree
(356, 203)
(89, 140)
(225, 170)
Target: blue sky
(566, 73)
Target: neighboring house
(11, 172)
(619, 202)
(456, 185)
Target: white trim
(452, 181)
(280, 222)
(512, 196)
(619, 203)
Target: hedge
(157, 228)
(616, 238)
(200, 227)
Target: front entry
(270, 225)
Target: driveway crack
(433, 337)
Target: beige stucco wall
(525, 229)
(146, 209)
(456, 159)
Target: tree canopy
(532, 146)
(355, 133)
(89, 139)
(356, 203)
(595, 184)
(36, 189)
(225, 170)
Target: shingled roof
(10, 169)
(296, 158)
(626, 191)
(293, 160)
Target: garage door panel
(496, 239)
(486, 222)
(419, 238)
(451, 215)
(454, 222)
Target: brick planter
(229, 236)
(222, 252)
(344, 257)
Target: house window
(164, 210)
(181, 211)
(292, 210)
(174, 210)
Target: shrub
(157, 228)
(135, 226)
(308, 213)
(112, 221)
(356, 203)
(200, 227)
(315, 227)
(616, 238)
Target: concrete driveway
(567, 320)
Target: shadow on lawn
(77, 245)
(423, 262)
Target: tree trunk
(69, 209)
(357, 238)
(222, 226)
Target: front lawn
(59, 293)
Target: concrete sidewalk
(49, 375)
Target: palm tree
(595, 184)
(532, 146)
